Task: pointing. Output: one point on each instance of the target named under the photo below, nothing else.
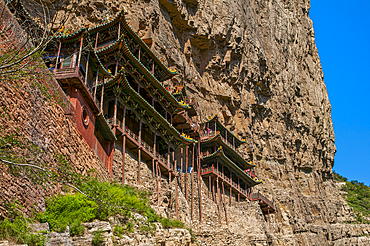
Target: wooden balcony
(166, 166)
(266, 205)
(72, 77)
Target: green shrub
(98, 238)
(69, 210)
(19, 231)
(357, 196)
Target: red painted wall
(102, 148)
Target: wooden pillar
(186, 172)
(199, 184)
(239, 190)
(139, 154)
(191, 178)
(116, 71)
(157, 176)
(268, 212)
(139, 53)
(96, 83)
(102, 99)
(223, 201)
(96, 40)
(123, 158)
(213, 191)
(234, 143)
(124, 119)
(153, 168)
(56, 62)
(218, 201)
(153, 68)
(115, 113)
(210, 186)
(171, 123)
(119, 29)
(79, 55)
(182, 167)
(231, 194)
(176, 203)
(123, 144)
(87, 68)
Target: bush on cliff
(102, 200)
(357, 196)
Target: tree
(23, 40)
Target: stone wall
(44, 124)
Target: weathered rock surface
(255, 64)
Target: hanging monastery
(116, 84)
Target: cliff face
(255, 64)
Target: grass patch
(18, 230)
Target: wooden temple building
(115, 84)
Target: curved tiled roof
(121, 77)
(238, 156)
(121, 16)
(215, 118)
(220, 154)
(148, 75)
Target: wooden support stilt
(268, 212)
(223, 201)
(139, 154)
(182, 168)
(210, 186)
(123, 158)
(176, 203)
(158, 188)
(153, 168)
(218, 201)
(186, 172)
(213, 191)
(199, 183)
(138, 167)
(231, 194)
(192, 183)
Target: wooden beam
(218, 202)
(56, 62)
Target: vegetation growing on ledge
(100, 201)
(358, 197)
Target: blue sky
(342, 32)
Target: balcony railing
(226, 179)
(259, 197)
(149, 149)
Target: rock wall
(44, 123)
(256, 65)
